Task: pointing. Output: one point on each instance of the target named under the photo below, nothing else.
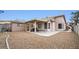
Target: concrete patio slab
(46, 33)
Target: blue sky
(25, 15)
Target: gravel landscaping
(2, 41)
(27, 40)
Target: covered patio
(36, 25)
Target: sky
(25, 15)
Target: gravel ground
(2, 41)
(27, 40)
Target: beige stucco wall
(60, 20)
(16, 28)
(52, 26)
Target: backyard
(26, 40)
(2, 41)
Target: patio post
(29, 28)
(35, 26)
(53, 26)
(48, 26)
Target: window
(45, 25)
(39, 25)
(60, 26)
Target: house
(11, 26)
(53, 23)
(4, 25)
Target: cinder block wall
(76, 29)
(16, 28)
